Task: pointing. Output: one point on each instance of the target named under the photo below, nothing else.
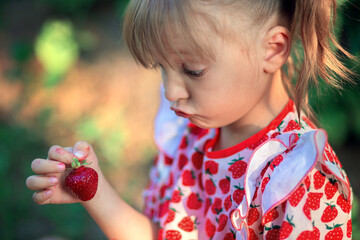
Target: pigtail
(313, 24)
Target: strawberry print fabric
(285, 182)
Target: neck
(258, 117)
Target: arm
(117, 219)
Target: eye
(193, 73)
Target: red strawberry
(211, 167)
(188, 178)
(237, 168)
(306, 210)
(331, 188)
(186, 224)
(224, 185)
(216, 207)
(184, 143)
(172, 235)
(286, 227)
(197, 159)
(296, 196)
(261, 228)
(171, 216)
(275, 134)
(330, 213)
(270, 216)
(164, 208)
(238, 194)
(344, 204)
(273, 233)
(168, 160)
(349, 229)
(307, 182)
(263, 171)
(292, 125)
(208, 203)
(294, 138)
(162, 190)
(252, 234)
(336, 232)
(222, 222)
(253, 215)
(199, 132)
(283, 206)
(255, 194)
(194, 201)
(319, 180)
(183, 160)
(227, 203)
(210, 228)
(200, 182)
(309, 235)
(230, 236)
(313, 200)
(176, 196)
(160, 234)
(255, 145)
(210, 187)
(264, 183)
(276, 162)
(82, 181)
(171, 180)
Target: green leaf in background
(56, 49)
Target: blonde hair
(148, 23)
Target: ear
(277, 42)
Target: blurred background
(65, 76)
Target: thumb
(82, 150)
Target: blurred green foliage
(58, 42)
(56, 49)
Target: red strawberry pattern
(193, 194)
(286, 227)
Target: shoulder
(308, 157)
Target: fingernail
(53, 180)
(80, 155)
(61, 166)
(48, 193)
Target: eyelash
(190, 73)
(193, 73)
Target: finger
(60, 154)
(40, 182)
(69, 149)
(42, 197)
(44, 166)
(82, 150)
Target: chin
(202, 124)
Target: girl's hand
(51, 172)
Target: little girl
(240, 159)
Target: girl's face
(225, 90)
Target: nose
(174, 85)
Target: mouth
(180, 113)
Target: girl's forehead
(190, 45)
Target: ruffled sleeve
(305, 196)
(169, 128)
(295, 188)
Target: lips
(180, 113)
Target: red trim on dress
(251, 140)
